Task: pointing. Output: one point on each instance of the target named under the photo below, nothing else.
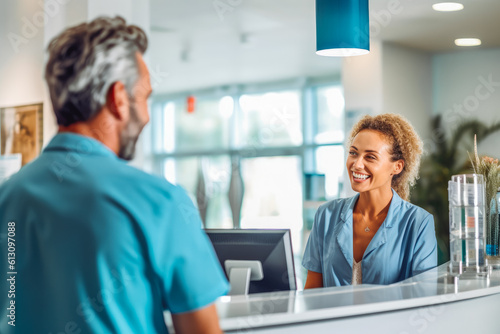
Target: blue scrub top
(404, 245)
(100, 246)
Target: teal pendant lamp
(342, 28)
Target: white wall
(21, 62)
(391, 79)
(407, 85)
(362, 80)
(467, 85)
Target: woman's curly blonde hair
(406, 146)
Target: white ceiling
(267, 40)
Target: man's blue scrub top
(404, 245)
(101, 247)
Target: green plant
(490, 169)
(447, 157)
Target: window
(273, 194)
(270, 119)
(330, 108)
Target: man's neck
(99, 129)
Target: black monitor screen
(273, 248)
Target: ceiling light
(342, 28)
(467, 42)
(342, 52)
(447, 6)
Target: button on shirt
(101, 247)
(404, 245)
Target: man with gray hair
(99, 246)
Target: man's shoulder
(135, 180)
(25, 175)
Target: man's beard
(130, 135)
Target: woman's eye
(352, 153)
(371, 157)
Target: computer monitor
(259, 251)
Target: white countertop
(288, 307)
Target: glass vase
(467, 202)
(493, 232)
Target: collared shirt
(404, 245)
(101, 247)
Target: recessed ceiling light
(447, 6)
(467, 42)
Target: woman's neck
(372, 203)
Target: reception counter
(432, 302)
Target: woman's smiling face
(369, 162)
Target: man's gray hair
(86, 60)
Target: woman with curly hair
(375, 237)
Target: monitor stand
(240, 274)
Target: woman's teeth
(360, 176)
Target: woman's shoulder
(334, 209)
(413, 216)
(415, 210)
(336, 205)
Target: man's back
(101, 246)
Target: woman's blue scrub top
(404, 245)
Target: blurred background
(252, 123)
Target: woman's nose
(358, 163)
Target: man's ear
(117, 101)
(398, 167)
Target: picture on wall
(21, 131)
